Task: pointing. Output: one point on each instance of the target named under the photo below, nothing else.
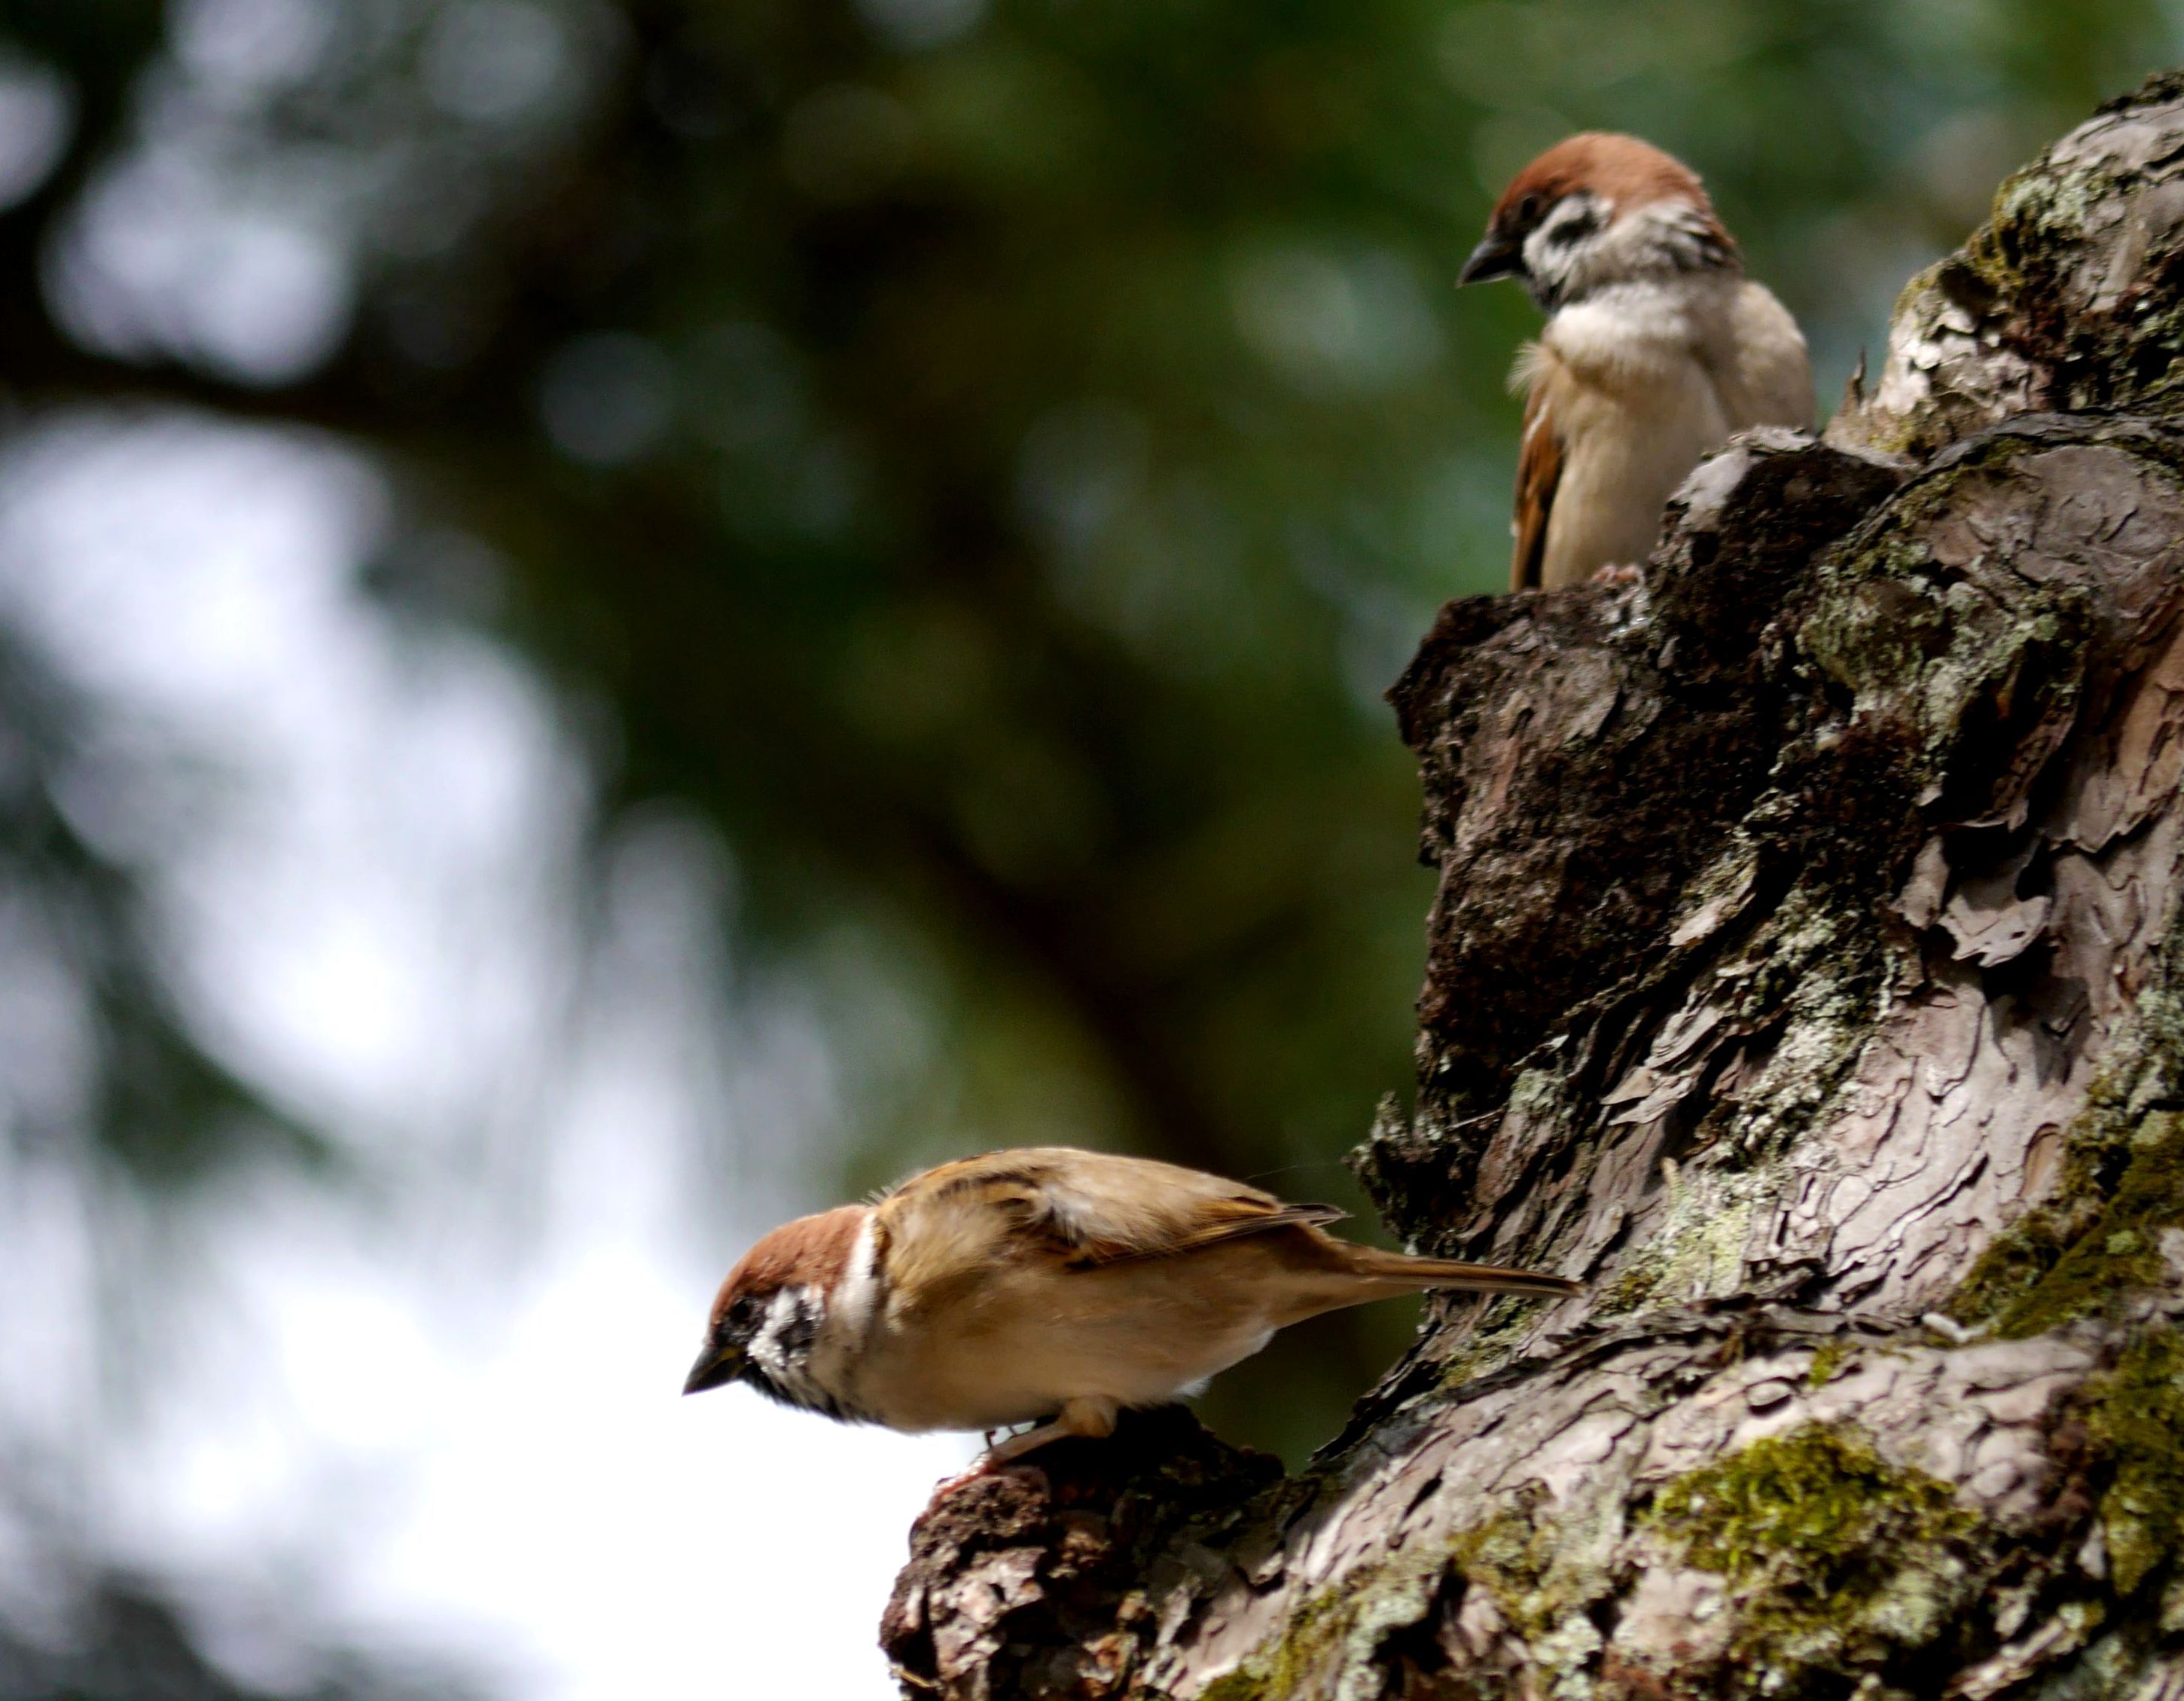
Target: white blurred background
(437, 1410)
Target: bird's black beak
(717, 1366)
(1496, 257)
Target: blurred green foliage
(987, 458)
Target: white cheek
(1554, 252)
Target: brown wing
(1215, 1221)
(1539, 470)
(1091, 1209)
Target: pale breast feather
(1774, 369)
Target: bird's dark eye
(745, 1309)
(1527, 209)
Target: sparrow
(1656, 347)
(1044, 1285)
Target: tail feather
(1414, 1273)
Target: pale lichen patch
(1697, 1251)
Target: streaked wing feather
(1212, 1230)
(1539, 470)
(1091, 1210)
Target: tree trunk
(1803, 976)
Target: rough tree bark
(1805, 973)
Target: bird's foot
(1088, 1417)
(985, 1465)
(1620, 573)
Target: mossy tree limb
(1805, 974)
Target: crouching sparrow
(1045, 1282)
(1656, 347)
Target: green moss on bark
(1314, 1633)
(1336, 1630)
(1825, 1363)
(2097, 1237)
(1509, 1557)
(1834, 1556)
(2134, 1414)
(1518, 1559)
(2079, 1256)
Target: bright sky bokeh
(438, 1410)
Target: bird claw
(986, 1466)
(1618, 573)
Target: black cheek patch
(1572, 230)
(796, 1333)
